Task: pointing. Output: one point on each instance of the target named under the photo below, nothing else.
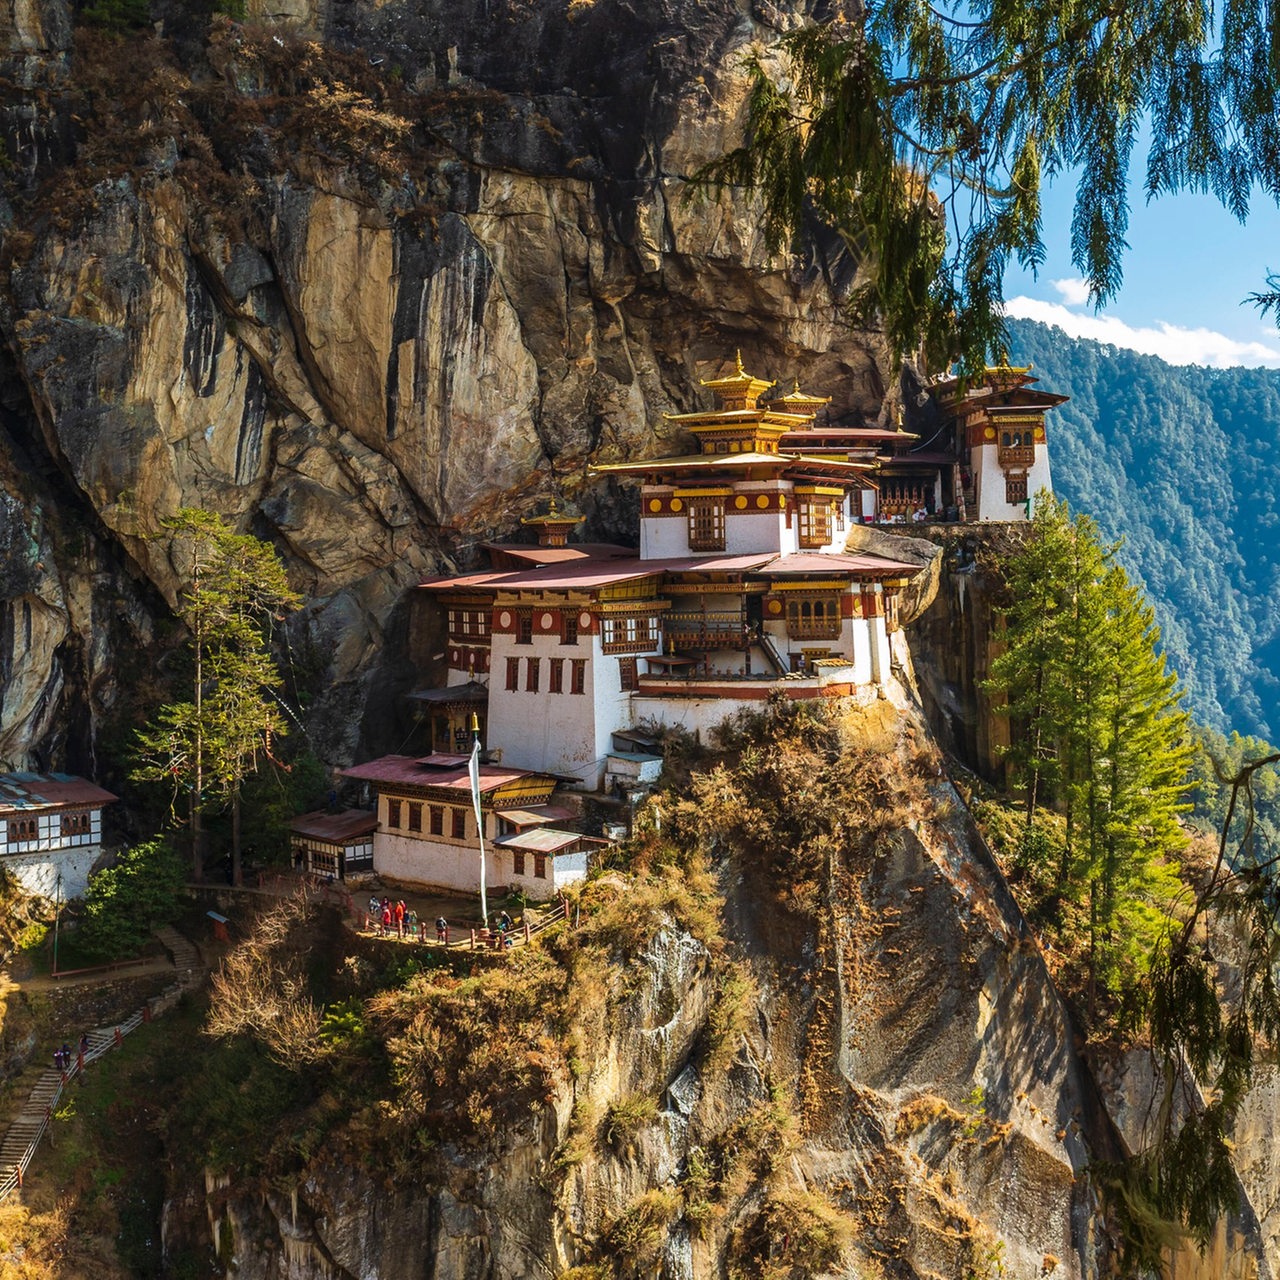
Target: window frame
(706, 526)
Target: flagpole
(474, 770)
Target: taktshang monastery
(568, 658)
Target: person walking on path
(386, 920)
(399, 913)
(442, 929)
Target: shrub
(626, 1118)
(634, 1238)
(125, 902)
(796, 1233)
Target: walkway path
(25, 1132)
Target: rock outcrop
(375, 363)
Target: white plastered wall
(989, 482)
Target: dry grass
(795, 1235)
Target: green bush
(125, 902)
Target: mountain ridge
(1150, 450)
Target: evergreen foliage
(921, 124)
(207, 745)
(1254, 827)
(1101, 735)
(1210, 1017)
(117, 16)
(1181, 466)
(125, 902)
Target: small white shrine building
(51, 831)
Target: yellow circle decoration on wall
(655, 504)
(989, 433)
(740, 502)
(762, 501)
(676, 504)
(775, 606)
(1039, 433)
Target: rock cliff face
(906, 1021)
(369, 281)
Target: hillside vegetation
(1183, 465)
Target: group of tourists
(397, 918)
(394, 917)
(64, 1059)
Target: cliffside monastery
(567, 658)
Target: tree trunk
(236, 877)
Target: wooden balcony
(1023, 455)
(709, 629)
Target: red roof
(335, 828)
(588, 574)
(558, 555)
(579, 574)
(50, 791)
(860, 566)
(412, 771)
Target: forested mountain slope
(1183, 464)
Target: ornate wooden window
(75, 824)
(627, 675)
(1015, 488)
(569, 627)
(816, 522)
(436, 815)
(513, 673)
(531, 670)
(629, 635)
(540, 865)
(415, 816)
(469, 624)
(556, 684)
(524, 626)
(21, 829)
(706, 524)
(393, 813)
(458, 823)
(517, 861)
(813, 617)
(578, 675)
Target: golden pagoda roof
(552, 516)
(802, 402)
(739, 462)
(738, 382)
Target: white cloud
(1170, 342)
(1074, 291)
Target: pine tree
(206, 745)
(922, 133)
(1025, 670)
(1099, 733)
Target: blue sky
(1189, 266)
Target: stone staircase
(28, 1127)
(186, 958)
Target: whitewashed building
(51, 831)
(425, 832)
(741, 587)
(337, 845)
